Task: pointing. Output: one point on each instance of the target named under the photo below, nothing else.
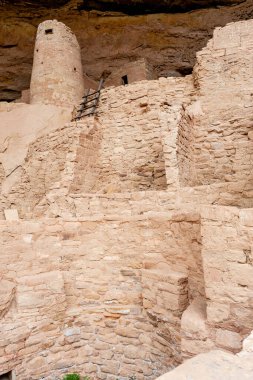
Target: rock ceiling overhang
(125, 6)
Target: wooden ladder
(89, 103)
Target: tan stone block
(127, 331)
(217, 312)
(110, 367)
(228, 339)
(11, 214)
(36, 362)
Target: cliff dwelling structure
(126, 236)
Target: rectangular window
(49, 31)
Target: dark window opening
(74, 68)
(185, 70)
(49, 31)
(124, 80)
(37, 50)
(9, 46)
(6, 376)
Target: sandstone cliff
(109, 39)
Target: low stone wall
(142, 203)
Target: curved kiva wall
(57, 75)
(98, 297)
(115, 297)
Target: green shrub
(75, 376)
(72, 376)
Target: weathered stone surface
(213, 365)
(7, 292)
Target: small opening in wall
(49, 31)
(74, 68)
(124, 79)
(185, 70)
(37, 50)
(7, 376)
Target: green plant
(72, 376)
(75, 376)
(132, 378)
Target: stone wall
(224, 317)
(214, 133)
(133, 72)
(57, 74)
(123, 296)
(131, 156)
(129, 146)
(140, 202)
(56, 163)
(71, 295)
(139, 124)
(228, 279)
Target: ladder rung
(94, 93)
(88, 101)
(88, 114)
(83, 109)
(87, 107)
(84, 105)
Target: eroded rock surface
(216, 365)
(7, 292)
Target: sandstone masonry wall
(71, 295)
(57, 74)
(135, 71)
(98, 290)
(228, 279)
(224, 317)
(131, 156)
(56, 163)
(139, 124)
(217, 129)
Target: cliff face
(108, 38)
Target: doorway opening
(124, 80)
(7, 376)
